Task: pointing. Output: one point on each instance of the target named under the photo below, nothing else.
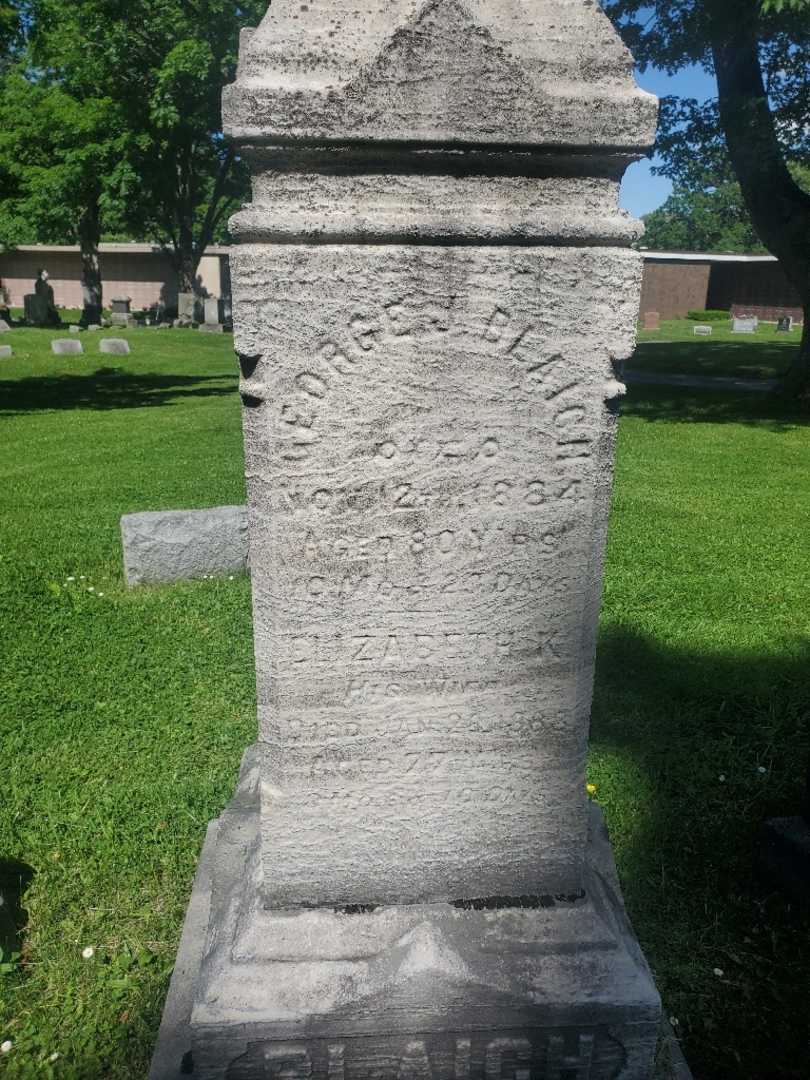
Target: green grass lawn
(124, 715)
(674, 349)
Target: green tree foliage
(757, 129)
(165, 62)
(714, 220)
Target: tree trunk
(797, 382)
(779, 208)
(89, 240)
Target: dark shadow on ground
(691, 405)
(703, 748)
(107, 388)
(750, 359)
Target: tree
(165, 62)
(759, 125)
(698, 220)
(62, 170)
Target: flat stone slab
(4, 326)
(212, 328)
(5, 352)
(117, 346)
(176, 545)
(66, 347)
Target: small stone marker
(175, 545)
(4, 326)
(74, 329)
(6, 352)
(66, 346)
(117, 346)
(702, 331)
(747, 325)
(785, 324)
(652, 320)
(213, 323)
(93, 326)
(428, 303)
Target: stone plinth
(432, 289)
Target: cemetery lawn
(123, 715)
(674, 350)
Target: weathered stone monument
(432, 286)
(212, 309)
(120, 313)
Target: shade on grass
(675, 350)
(123, 715)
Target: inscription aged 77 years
(424, 481)
(543, 1055)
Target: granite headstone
(431, 287)
(66, 346)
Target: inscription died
(341, 358)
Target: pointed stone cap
(531, 73)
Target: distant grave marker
(66, 347)
(702, 331)
(746, 325)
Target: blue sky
(641, 191)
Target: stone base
(476, 990)
(163, 546)
(211, 328)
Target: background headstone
(36, 310)
(702, 331)
(745, 325)
(427, 345)
(784, 325)
(117, 346)
(6, 352)
(66, 346)
(175, 545)
(4, 326)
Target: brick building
(678, 282)
(674, 282)
(143, 272)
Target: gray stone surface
(320, 989)
(744, 326)
(66, 346)
(118, 346)
(410, 883)
(702, 331)
(176, 545)
(5, 352)
(211, 328)
(74, 329)
(4, 327)
(94, 326)
(212, 309)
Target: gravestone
(430, 288)
(702, 331)
(6, 352)
(116, 346)
(785, 324)
(745, 325)
(120, 314)
(652, 320)
(4, 326)
(74, 329)
(189, 308)
(213, 321)
(66, 346)
(36, 310)
(176, 545)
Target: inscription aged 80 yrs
(559, 1055)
